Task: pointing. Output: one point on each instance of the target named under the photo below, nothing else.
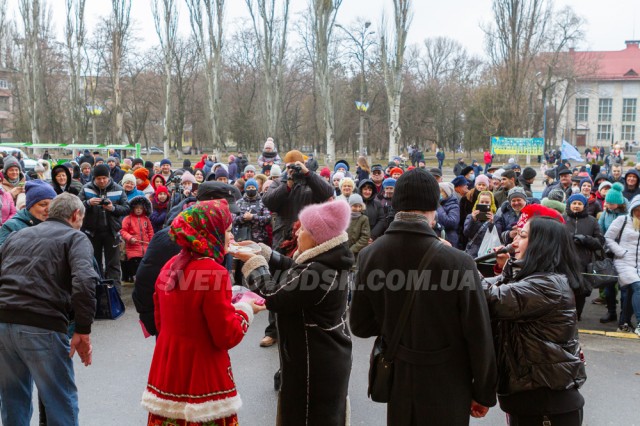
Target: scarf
(355, 215)
(411, 217)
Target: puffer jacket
(22, 219)
(627, 251)
(257, 225)
(19, 199)
(96, 218)
(358, 232)
(474, 231)
(608, 216)
(374, 210)
(535, 332)
(8, 208)
(586, 234)
(628, 191)
(504, 220)
(449, 218)
(138, 227)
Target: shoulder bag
(382, 356)
(602, 272)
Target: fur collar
(319, 249)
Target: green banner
(501, 145)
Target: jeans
(31, 354)
(626, 312)
(440, 164)
(635, 300)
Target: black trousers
(106, 245)
(572, 418)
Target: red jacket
(140, 228)
(190, 376)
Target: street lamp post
(362, 106)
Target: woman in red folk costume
(190, 380)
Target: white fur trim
(253, 263)
(246, 308)
(321, 248)
(204, 412)
(266, 251)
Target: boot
(609, 317)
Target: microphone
(506, 249)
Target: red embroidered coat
(190, 376)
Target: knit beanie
(356, 199)
(603, 185)
(139, 161)
(38, 190)
(325, 172)
(160, 189)
(269, 144)
(251, 182)
(588, 180)
(129, 178)
(515, 192)
(558, 206)
(188, 177)
(389, 182)
(231, 158)
(142, 173)
(466, 170)
(327, 220)
(293, 156)
(533, 210)
(101, 170)
(416, 190)
(110, 159)
(614, 196)
(99, 159)
(249, 168)
(341, 163)
(338, 175)
(148, 164)
(276, 171)
(528, 173)
(447, 187)
(482, 179)
(577, 197)
(221, 172)
(395, 170)
(557, 195)
(165, 161)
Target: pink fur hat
(327, 220)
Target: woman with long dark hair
(533, 305)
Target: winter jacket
(190, 376)
(361, 175)
(474, 231)
(520, 180)
(42, 293)
(232, 170)
(256, 227)
(457, 169)
(159, 215)
(313, 336)
(268, 158)
(607, 217)
(8, 209)
(504, 220)
(535, 333)
(593, 206)
(627, 251)
(449, 218)
(22, 219)
(312, 164)
(138, 227)
(557, 185)
(373, 210)
(447, 357)
(98, 220)
(20, 199)
(116, 174)
(358, 233)
(629, 192)
(586, 234)
(69, 187)
(135, 192)
(161, 249)
(288, 202)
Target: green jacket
(359, 233)
(22, 219)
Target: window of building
(4, 84)
(604, 132)
(4, 103)
(629, 110)
(604, 109)
(628, 132)
(582, 109)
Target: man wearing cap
(106, 204)
(507, 182)
(526, 178)
(564, 176)
(447, 343)
(115, 171)
(377, 176)
(312, 163)
(461, 187)
(508, 214)
(437, 173)
(161, 249)
(87, 158)
(165, 170)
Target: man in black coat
(161, 249)
(445, 367)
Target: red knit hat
(533, 210)
(395, 170)
(325, 172)
(327, 220)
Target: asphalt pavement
(111, 388)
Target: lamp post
(362, 45)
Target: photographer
(106, 204)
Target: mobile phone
(484, 209)
(21, 183)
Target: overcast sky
(609, 23)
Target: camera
(295, 168)
(104, 202)
(176, 180)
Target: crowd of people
(334, 250)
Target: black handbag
(109, 304)
(601, 271)
(382, 356)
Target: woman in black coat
(374, 210)
(309, 296)
(535, 327)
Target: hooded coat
(374, 211)
(69, 186)
(627, 250)
(138, 227)
(449, 218)
(586, 233)
(629, 192)
(19, 199)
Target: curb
(610, 334)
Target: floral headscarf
(201, 229)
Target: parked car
(29, 164)
(152, 150)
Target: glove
(579, 238)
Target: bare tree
(185, 73)
(75, 35)
(4, 33)
(119, 25)
(30, 13)
(207, 17)
(271, 35)
(165, 16)
(324, 16)
(392, 59)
